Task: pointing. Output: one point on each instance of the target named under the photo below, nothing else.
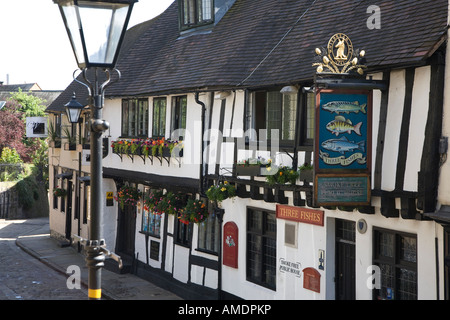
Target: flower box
(306, 175)
(248, 170)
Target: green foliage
(28, 191)
(31, 106)
(10, 156)
(220, 192)
(282, 176)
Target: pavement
(115, 286)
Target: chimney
(7, 79)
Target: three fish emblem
(343, 145)
(341, 125)
(344, 107)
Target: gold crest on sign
(339, 57)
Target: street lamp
(73, 109)
(96, 29)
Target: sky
(34, 46)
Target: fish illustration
(343, 145)
(344, 106)
(341, 125)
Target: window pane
(183, 113)
(207, 234)
(408, 285)
(386, 246)
(254, 256)
(155, 125)
(261, 247)
(387, 282)
(270, 256)
(140, 117)
(143, 118)
(204, 10)
(132, 118)
(310, 115)
(154, 225)
(162, 118)
(145, 220)
(271, 223)
(289, 116)
(159, 117)
(125, 118)
(408, 249)
(273, 112)
(188, 12)
(254, 220)
(345, 230)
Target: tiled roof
(263, 42)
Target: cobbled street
(22, 277)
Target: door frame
(68, 211)
(345, 249)
(126, 230)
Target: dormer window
(196, 13)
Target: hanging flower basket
(128, 195)
(151, 199)
(59, 192)
(196, 211)
(220, 192)
(158, 203)
(170, 204)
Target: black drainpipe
(201, 186)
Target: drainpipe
(201, 186)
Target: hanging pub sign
(343, 147)
(343, 131)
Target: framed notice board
(344, 189)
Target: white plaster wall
(210, 279)
(110, 216)
(376, 108)
(169, 246)
(313, 238)
(181, 263)
(418, 121)
(444, 181)
(190, 161)
(393, 126)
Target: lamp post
(96, 30)
(73, 111)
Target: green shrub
(10, 156)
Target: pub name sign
(300, 214)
